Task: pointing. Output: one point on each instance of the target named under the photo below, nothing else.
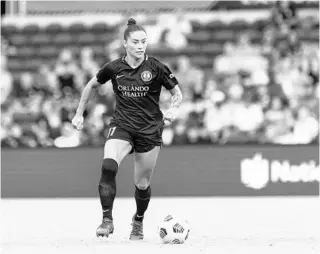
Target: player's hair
(132, 27)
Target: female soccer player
(137, 125)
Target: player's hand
(77, 122)
(170, 115)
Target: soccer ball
(173, 230)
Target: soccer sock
(142, 198)
(107, 186)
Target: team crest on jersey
(146, 76)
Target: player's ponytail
(132, 27)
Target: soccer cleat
(137, 230)
(106, 228)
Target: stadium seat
(159, 51)
(18, 40)
(202, 61)
(30, 29)
(211, 49)
(26, 52)
(313, 36)
(63, 39)
(215, 25)
(199, 37)
(98, 49)
(48, 52)
(100, 59)
(74, 48)
(256, 37)
(14, 65)
(222, 36)
(77, 28)
(41, 39)
(99, 27)
(192, 49)
(9, 30)
(16, 75)
(19, 65)
(239, 24)
(316, 25)
(196, 26)
(33, 64)
(259, 25)
(104, 38)
(54, 28)
(86, 38)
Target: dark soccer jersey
(137, 92)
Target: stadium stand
(277, 38)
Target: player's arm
(87, 93)
(171, 84)
(103, 75)
(176, 99)
(101, 78)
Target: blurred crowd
(265, 92)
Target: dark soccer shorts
(140, 143)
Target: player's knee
(143, 183)
(109, 167)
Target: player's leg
(144, 164)
(115, 151)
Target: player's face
(136, 44)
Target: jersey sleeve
(105, 73)
(168, 78)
